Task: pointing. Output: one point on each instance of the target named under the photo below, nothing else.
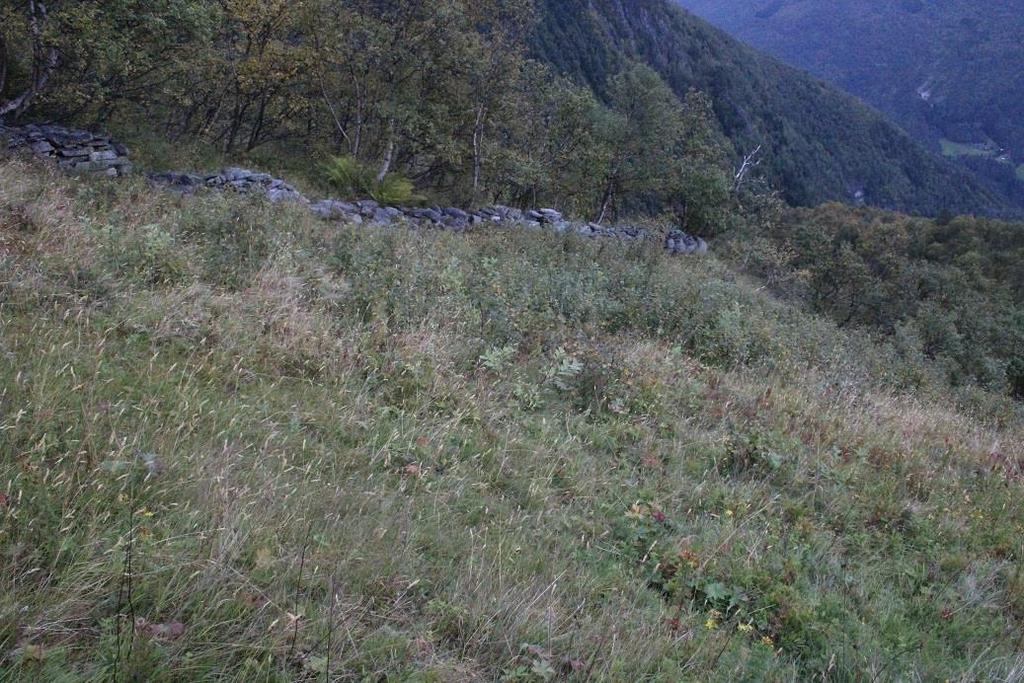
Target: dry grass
(390, 456)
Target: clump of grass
(488, 457)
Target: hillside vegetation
(949, 290)
(586, 104)
(943, 69)
(237, 443)
(818, 143)
(244, 441)
(436, 98)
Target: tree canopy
(442, 92)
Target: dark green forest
(820, 144)
(451, 95)
(949, 72)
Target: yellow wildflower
(637, 511)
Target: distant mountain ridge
(950, 72)
(821, 144)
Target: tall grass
(367, 455)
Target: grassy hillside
(819, 143)
(239, 444)
(942, 68)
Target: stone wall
(73, 150)
(370, 213)
(236, 179)
(82, 151)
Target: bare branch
(750, 162)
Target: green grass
(960, 149)
(426, 457)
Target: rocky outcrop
(235, 179)
(73, 150)
(678, 242)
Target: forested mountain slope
(944, 69)
(457, 101)
(820, 143)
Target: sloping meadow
(237, 443)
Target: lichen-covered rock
(237, 179)
(678, 242)
(332, 209)
(76, 151)
(186, 183)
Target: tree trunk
(357, 142)
(257, 128)
(44, 62)
(237, 120)
(389, 156)
(3, 63)
(338, 126)
(478, 153)
(606, 200)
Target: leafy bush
(357, 180)
(149, 253)
(947, 291)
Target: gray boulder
(457, 214)
(678, 242)
(332, 209)
(549, 216)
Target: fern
(355, 179)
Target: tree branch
(750, 161)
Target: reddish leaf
(172, 630)
(571, 665)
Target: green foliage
(819, 144)
(356, 180)
(96, 54)
(950, 290)
(440, 94)
(149, 254)
(497, 358)
(474, 102)
(659, 152)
